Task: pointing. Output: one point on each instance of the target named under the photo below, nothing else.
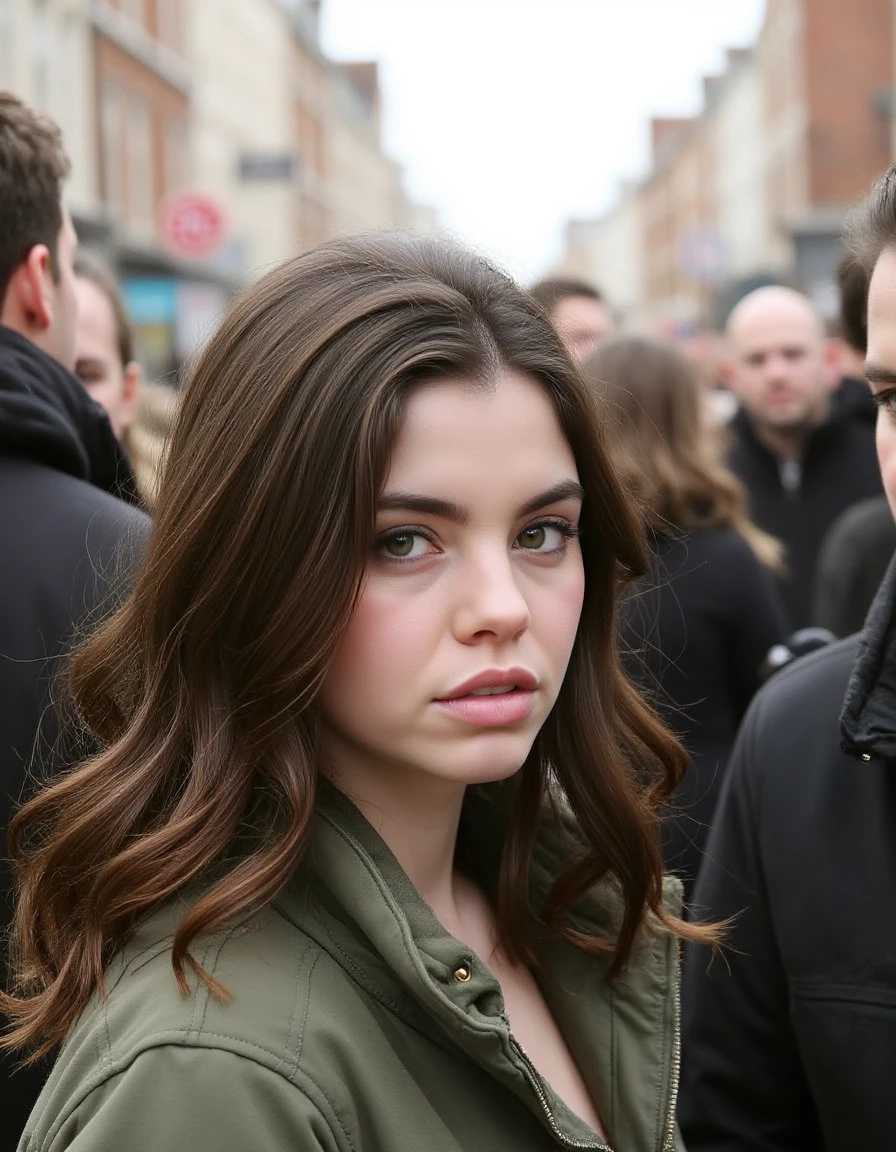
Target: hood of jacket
(868, 718)
(47, 416)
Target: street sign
(193, 224)
(267, 166)
(703, 256)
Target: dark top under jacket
(839, 468)
(790, 1037)
(61, 530)
(695, 634)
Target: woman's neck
(418, 820)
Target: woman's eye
(545, 537)
(886, 401)
(403, 545)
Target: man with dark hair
(790, 1036)
(852, 283)
(62, 476)
(859, 544)
(577, 310)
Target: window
(113, 148)
(6, 33)
(169, 14)
(140, 168)
(41, 48)
(135, 10)
(176, 174)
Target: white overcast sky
(509, 116)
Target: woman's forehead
(458, 435)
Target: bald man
(802, 450)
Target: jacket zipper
(669, 1142)
(535, 1080)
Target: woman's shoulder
(267, 968)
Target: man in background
(577, 311)
(800, 446)
(858, 547)
(65, 530)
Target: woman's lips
(496, 711)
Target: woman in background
(696, 631)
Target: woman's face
(472, 596)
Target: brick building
(757, 185)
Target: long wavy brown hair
(202, 690)
(665, 452)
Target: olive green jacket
(358, 1024)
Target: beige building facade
(607, 252)
(46, 57)
(242, 147)
(209, 140)
(365, 187)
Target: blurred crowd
(751, 456)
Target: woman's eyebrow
(447, 510)
(879, 374)
(565, 490)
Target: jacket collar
(868, 717)
(47, 416)
(360, 906)
(844, 409)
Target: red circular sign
(193, 224)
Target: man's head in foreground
(873, 239)
(37, 238)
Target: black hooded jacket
(790, 1036)
(839, 468)
(68, 531)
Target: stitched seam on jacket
(291, 1031)
(197, 996)
(614, 1039)
(825, 993)
(665, 1069)
(165, 1040)
(356, 972)
(374, 874)
(436, 1034)
(212, 968)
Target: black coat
(790, 1036)
(839, 468)
(695, 634)
(851, 564)
(65, 539)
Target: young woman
(697, 630)
(369, 857)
